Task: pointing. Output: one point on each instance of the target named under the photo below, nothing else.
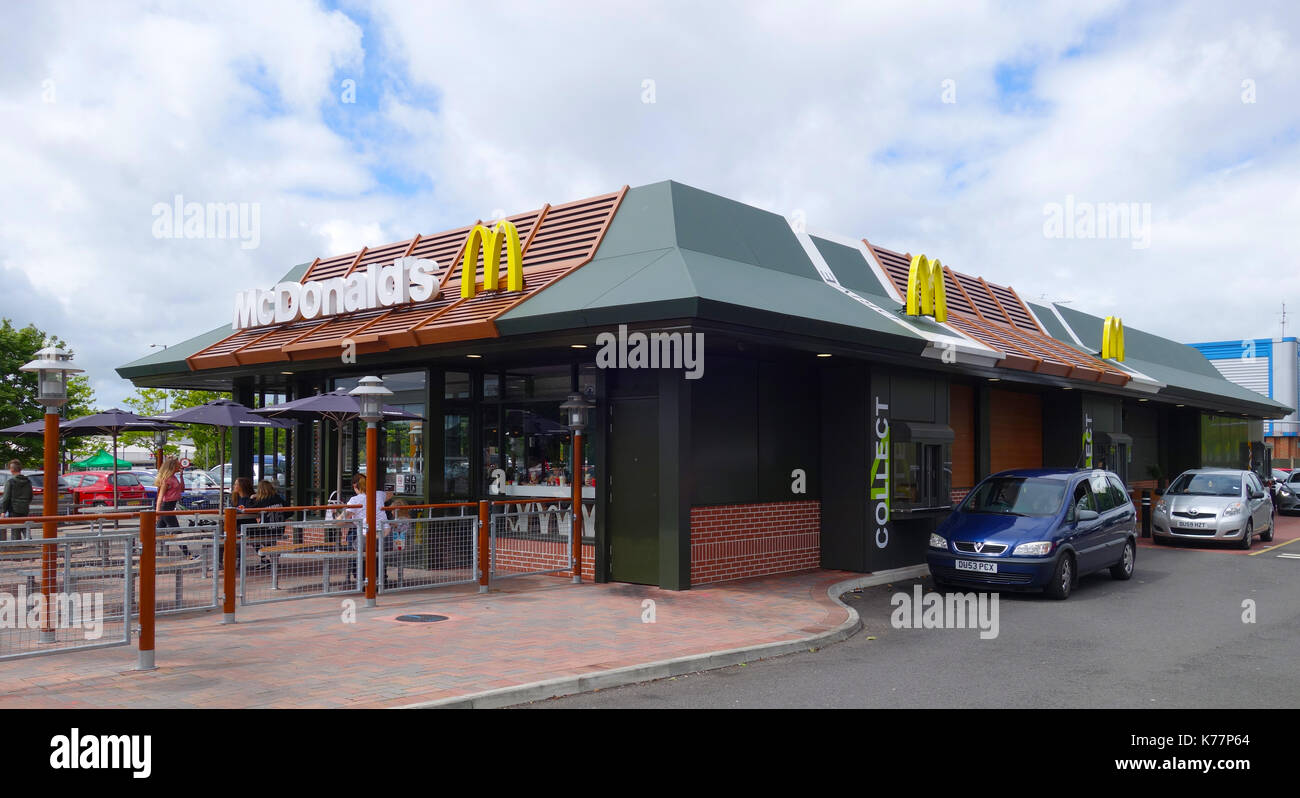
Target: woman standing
(170, 487)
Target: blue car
(1036, 529)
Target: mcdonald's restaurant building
(764, 401)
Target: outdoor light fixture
(159, 441)
(823, 354)
(54, 366)
(576, 410)
(371, 392)
(577, 346)
(474, 356)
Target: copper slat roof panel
(1014, 307)
(381, 255)
(326, 268)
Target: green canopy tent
(100, 461)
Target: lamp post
(370, 391)
(576, 410)
(159, 441)
(53, 366)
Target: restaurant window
(921, 457)
(456, 454)
(456, 385)
(401, 453)
(539, 382)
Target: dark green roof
(675, 251)
(1182, 368)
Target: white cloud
(835, 112)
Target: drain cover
(421, 618)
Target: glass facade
(401, 455)
(1224, 441)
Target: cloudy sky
(946, 128)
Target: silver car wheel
(1128, 558)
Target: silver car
(1214, 504)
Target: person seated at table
(356, 510)
(266, 497)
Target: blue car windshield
(1016, 496)
(1206, 485)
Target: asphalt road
(1173, 636)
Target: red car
(95, 489)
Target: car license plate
(982, 567)
(1196, 524)
(134, 502)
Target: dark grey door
(633, 491)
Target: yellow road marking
(1270, 548)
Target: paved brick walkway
(300, 653)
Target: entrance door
(632, 523)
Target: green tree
(18, 393)
(152, 401)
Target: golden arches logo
(1112, 338)
(925, 289)
(490, 241)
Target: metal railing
(72, 592)
(530, 537)
(305, 558)
(429, 551)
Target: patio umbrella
(224, 414)
(111, 423)
(32, 429)
(337, 406)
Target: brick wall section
(735, 541)
(521, 555)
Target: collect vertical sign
(878, 482)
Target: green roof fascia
(172, 360)
(1182, 368)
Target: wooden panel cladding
(1015, 430)
(554, 241)
(961, 417)
(996, 316)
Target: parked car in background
(1286, 494)
(1036, 529)
(95, 488)
(200, 490)
(1214, 504)
(277, 474)
(66, 499)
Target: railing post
(576, 543)
(372, 512)
(50, 529)
(228, 564)
(484, 555)
(148, 582)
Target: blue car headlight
(938, 541)
(1038, 548)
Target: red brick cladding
(734, 541)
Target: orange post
(484, 561)
(50, 529)
(148, 580)
(228, 565)
(576, 543)
(372, 533)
